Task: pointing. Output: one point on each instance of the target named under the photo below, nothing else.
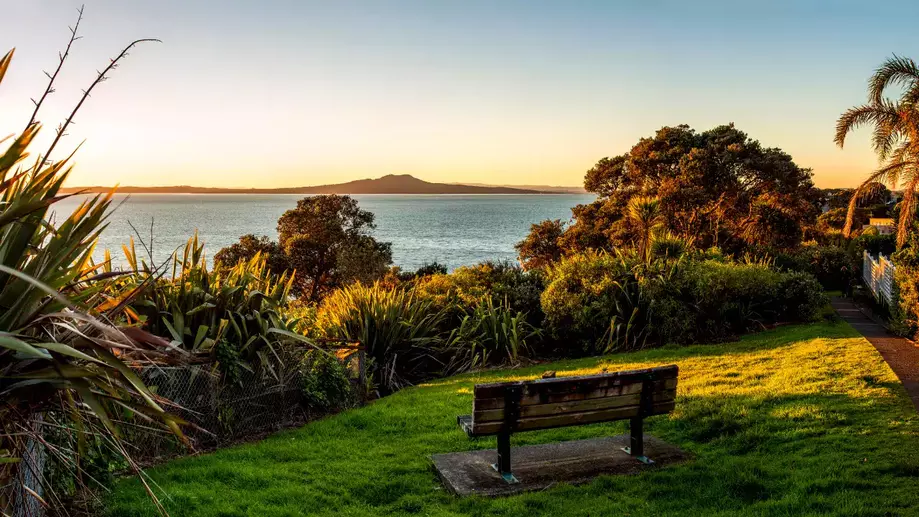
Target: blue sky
(283, 92)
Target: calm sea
(454, 230)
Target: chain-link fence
(222, 410)
(218, 408)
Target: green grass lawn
(803, 420)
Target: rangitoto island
(389, 184)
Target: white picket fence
(878, 276)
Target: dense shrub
(325, 243)
(835, 219)
(489, 334)
(833, 266)
(719, 300)
(401, 332)
(426, 269)
(198, 308)
(598, 301)
(905, 312)
(874, 243)
(504, 283)
(609, 302)
(801, 297)
(324, 381)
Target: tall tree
(541, 247)
(250, 245)
(715, 188)
(322, 234)
(895, 135)
(326, 240)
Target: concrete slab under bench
(538, 467)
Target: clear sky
(268, 93)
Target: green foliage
(833, 266)
(489, 334)
(905, 313)
(97, 455)
(714, 188)
(197, 307)
(227, 356)
(800, 420)
(502, 282)
(303, 315)
(57, 345)
(325, 384)
(609, 302)
(541, 246)
(712, 300)
(835, 219)
(248, 247)
(401, 332)
(597, 300)
(772, 225)
(874, 243)
(426, 269)
(665, 245)
(801, 297)
(645, 215)
(326, 240)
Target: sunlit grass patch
(794, 421)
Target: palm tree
(895, 138)
(645, 215)
(665, 245)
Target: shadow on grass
(792, 421)
(758, 455)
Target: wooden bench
(504, 408)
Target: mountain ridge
(388, 184)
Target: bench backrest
(567, 401)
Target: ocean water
(454, 230)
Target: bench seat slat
(533, 397)
(577, 384)
(572, 406)
(568, 401)
(570, 419)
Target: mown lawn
(803, 420)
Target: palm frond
(882, 175)
(885, 113)
(897, 70)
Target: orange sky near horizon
(288, 93)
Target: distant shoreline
(121, 191)
(390, 184)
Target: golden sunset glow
(304, 93)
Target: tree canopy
(325, 239)
(714, 188)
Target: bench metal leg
(637, 440)
(504, 457)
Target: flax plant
(59, 350)
(199, 309)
